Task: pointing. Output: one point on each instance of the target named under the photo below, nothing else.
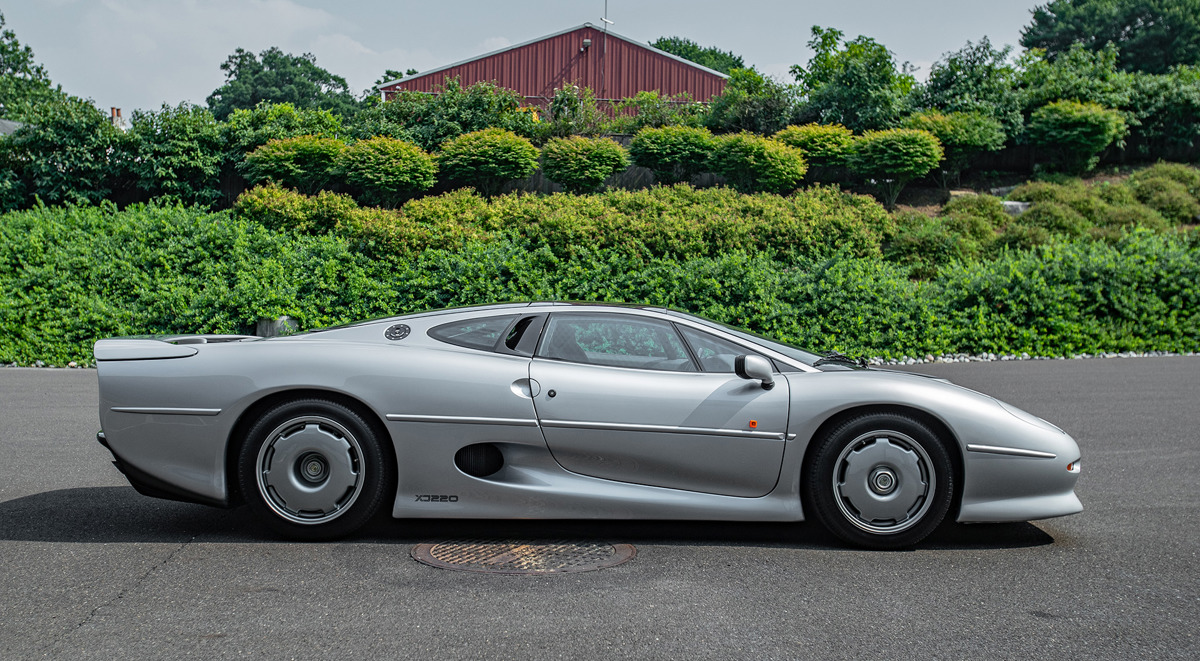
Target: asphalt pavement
(90, 569)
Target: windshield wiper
(835, 357)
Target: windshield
(788, 350)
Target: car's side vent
(397, 332)
(479, 460)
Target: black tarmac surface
(90, 569)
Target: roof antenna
(603, 51)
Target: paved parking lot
(90, 569)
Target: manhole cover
(509, 557)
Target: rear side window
(473, 333)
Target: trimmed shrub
(1075, 133)
(304, 163)
(579, 164)
(1055, 218)
(1184, 174)
(822, 144)
(962, 134)
(924, 244)
(386, 171)
(487, 159)
(987, 208)
(752, 163)
(247, 129)
(1169, 197)
(894, 157)
(674, 153)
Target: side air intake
(480, 460)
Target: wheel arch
(237, 435)
(934, 423)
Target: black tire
(313, 469)
(880, 481)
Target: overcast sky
(141, 53)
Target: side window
(615, 340)
(473, 333)
(714, 353)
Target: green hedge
(70, 275)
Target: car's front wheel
(314, 469)
(880, 480)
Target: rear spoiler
(158, 348)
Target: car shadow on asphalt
(121, 515)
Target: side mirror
(755, 367)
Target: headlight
(1029, 417)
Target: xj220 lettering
(427, 498)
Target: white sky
(142, 53)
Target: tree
(1151, 35)
(1078, 74)
(24, 84)
(752, 163)
(389, 75)
(278, 77)
(673, 153)
(856, 85)
(976, 78)
(428, 120)
(579, 164)
(1075, 132)
(386, 171)
(711, 57)
(752, 102)
(488, 159)
(304, 163)
(893, 158)
(66, 155)
(177, 151)
(962, 134)
(249, 129)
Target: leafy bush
(650, 109)
(963, 135)
(893, 158)
(488, 159)
(751, 102)
(573, 111)
(305, 163)
(580, 164)
(1075, 133)
(925, 244)
(246, 130)
(1055, 219)
(673, 153)
(986, 208)
(178, 152)
(1084, 200)
(1168, 197)
(386, 171)
(428, 120)
(1184, 174)
(752, 163)
(822, 144)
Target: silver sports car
(556, 410)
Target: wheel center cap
(313, 468)
(882, 481)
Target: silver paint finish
(1014, 452)
(434, 399)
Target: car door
(622, 397)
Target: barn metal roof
(610, 33)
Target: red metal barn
(614, 67)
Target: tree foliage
(580, 164)
(386, 171)
(1075, 133)
(24, 84)
(822, 144)
(711, 57)
(1078, 74)
(177, 151)
(278, 77)
(1150, 35)
(962, 134)
(487, 159)
(855, 84)
(248, 129)
(752, 163)
(650, 109)
(428, 120)
(751, 102)
(674, 153)
(305, 163)
(976, 78)
(894, 157)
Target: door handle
(527, 388)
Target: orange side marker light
(754, 424)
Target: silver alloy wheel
(883, 482)
(310, 470)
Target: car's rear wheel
(314, 469)
(880, 480)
